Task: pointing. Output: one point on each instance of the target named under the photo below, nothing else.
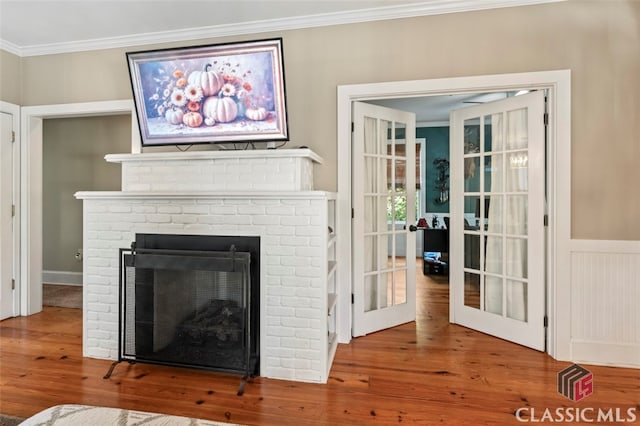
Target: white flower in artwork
(228, 89)
(178, 98)
(193, 93)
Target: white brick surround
(260, 170)
(291, 223)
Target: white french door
(383, 201)
(497, 270)
(6, 216)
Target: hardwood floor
(427, 372)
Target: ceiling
(39, 22)
(432, 110)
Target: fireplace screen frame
(215, 260)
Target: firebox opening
(193, 301)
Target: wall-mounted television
(232, 92)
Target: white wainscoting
(62, 277)
(605, 302)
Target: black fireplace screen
(189, 308)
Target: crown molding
(431, 7)
(10, 47)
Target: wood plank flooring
(427, 372)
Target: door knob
(413, 228)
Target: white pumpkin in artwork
(174, 116)
(221, 109)
(256, 114)
(209, 81)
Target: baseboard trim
(62, 277)
(606, 353)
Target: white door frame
(14, 110)
(558, 175)
(29, 285)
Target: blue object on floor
(432, 263)
(431, 255)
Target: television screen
(232, 92)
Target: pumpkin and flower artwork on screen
(206, 97)
(212, 94)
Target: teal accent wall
(437, 146)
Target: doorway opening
(31, 208)
(558, 84)
(432, 171)
(72, 161)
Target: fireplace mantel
(214, 155)
(205, 195)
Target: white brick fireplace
(265, 193)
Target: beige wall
(10, 78)
(73, 153)
(598, 40)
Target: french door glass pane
(472, 251)
(493, 173)
(371, 213)
(385, 127)
(493, 207)
(472, 136)
(517, 172)
(517, 300)
(517, 137)
(371, 174)
(516, 214)
(517, 257)
(493, 290)
(400, 205)
(487, 147)
(472, 174)
(370, 135)
(370, 292)
(397, 293)
(384, 278)
(400, 132)
(391, 207)
(493, 263)
(371, 254)
(400, 174)
(470, 206)
(472, 290)
(497, 142)
(400, 245)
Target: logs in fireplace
(191, 301)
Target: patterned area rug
(62, 296)
(10, 420)
(84, 415)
